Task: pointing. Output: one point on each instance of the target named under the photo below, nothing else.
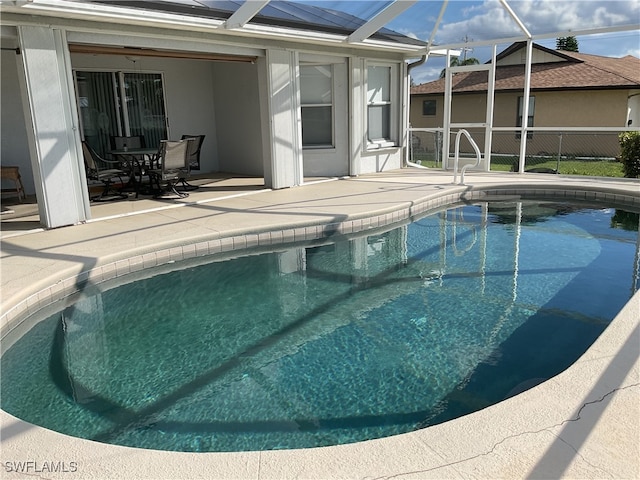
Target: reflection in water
(625, 220)
(328, 344)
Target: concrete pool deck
(583, 423)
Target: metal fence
(565, 151)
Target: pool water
(329, 344)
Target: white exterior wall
(14, 144)
(367, 158)
(237, 112)
(249, 113)
(332, 161)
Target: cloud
(489, 20)
(617, 44)
(550, 15)
(427, 73)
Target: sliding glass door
(120, 104)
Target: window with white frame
(382, 95)
(316, 98)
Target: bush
(630, 153)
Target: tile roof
(579, 71)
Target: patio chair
(195, 145)
(105, 172)
(172, 160)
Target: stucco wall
(585, 108)
(13, 133)
(238, 118)
(519, 57)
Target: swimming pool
(397, 330)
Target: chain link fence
(566, 152)
(425, 147)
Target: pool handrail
(457, 156)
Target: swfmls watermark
(39, 466)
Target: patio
(22, 217)
(584, 423)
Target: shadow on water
(553, 334)
(126, 419)
(548, 343)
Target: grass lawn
(567, 166)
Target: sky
(486, 19)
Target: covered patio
(21, 216)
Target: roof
(276, 13)
(574, 71)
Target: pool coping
(503, 440)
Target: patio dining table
(137, 160)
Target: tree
(456, 62)
(568, 44)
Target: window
(429, 107)
(532, 104)
(316, 98)
(382, 94)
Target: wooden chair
(13, 174)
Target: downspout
(412, 65)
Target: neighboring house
(567, 90)
(284, 91)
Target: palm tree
(456, 62)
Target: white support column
(51, 117)
(357, 114)
(405, 86)
(491, 97)
(285, 127)
(525, 106)
(446, 115)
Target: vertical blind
(120, 104)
